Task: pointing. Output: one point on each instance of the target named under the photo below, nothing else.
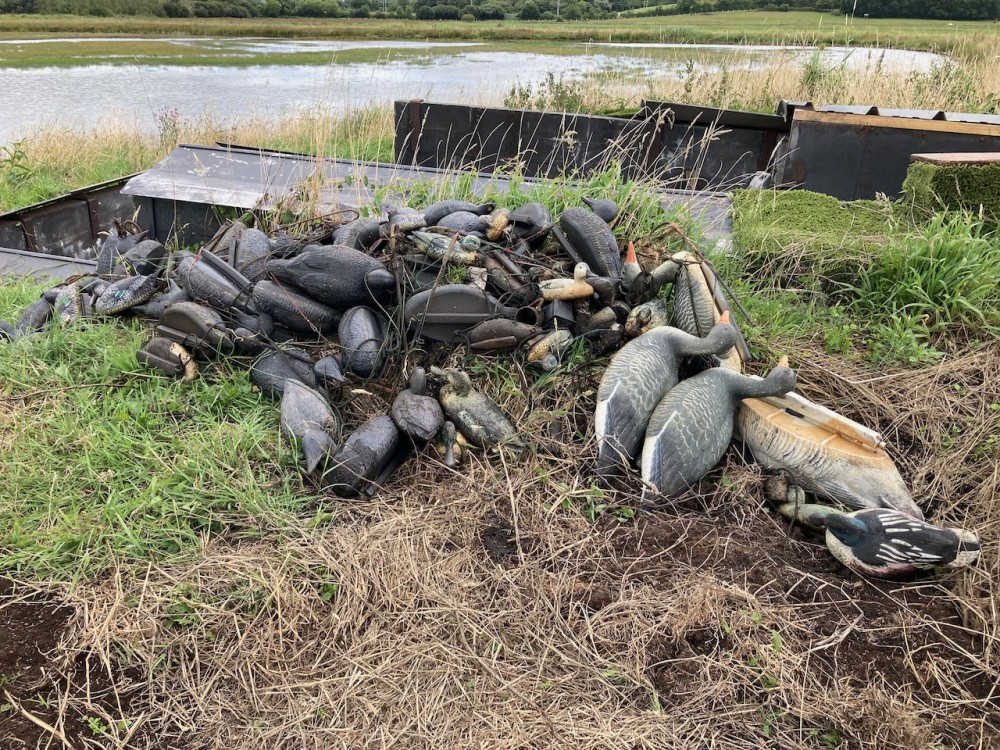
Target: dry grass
(474, 608)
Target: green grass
(800, 27)
(105, 461)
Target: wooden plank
(896, 123)
(987, 157)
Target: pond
(338, 76)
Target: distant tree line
(485, 10)
(952, 10)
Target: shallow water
(467, 73)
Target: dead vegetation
(482, 607)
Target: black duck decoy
(170, 357)
(415, 413)
(364, 454)
(307, 417)
(293, 309)
(445, 312)
(335, 275)
(359, 234)
(252, 251)
(272, 371)
(531, 222)
(148, 257)
(362, 339)
(159, 302)
(435, 212)
(35, 316)
(638, 377)
(690, 428)
(593, 240)
(606, 208)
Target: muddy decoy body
(823, 452)
(209, 279)
(335, 275)
(475, 415)
(460, 251)
(885, 543)
(637, 379)
(690, 428)
(364, 454)
(649, 315)
(307, 417)
(68, 305)
(545, 351)
(414, 412)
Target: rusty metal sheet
(730, 118)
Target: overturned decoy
(823, 452)
(364, 454)
(435, 212)
(273, 370)
(209, 279)
(307, 417)
(568, 289)
(593, 239)
(606, 208)
(398, 219)
(336, 275)
(500, 333)
(359, 234)
(447, 312)
(68, 305)
(197, 327)
(690, 428)
(637, 379)
(252, 251)
(495, 223)
(885, 543)
(127, 293)
(293, 309)
(475, 415)
(649, 315)
(531, 222)
(545, 351)
(144, 259)
(170, 357)
(362, 338)
(414, 412)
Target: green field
(800, 27)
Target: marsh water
(354, 74)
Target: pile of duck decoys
(503, 280)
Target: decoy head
(418, 381)
(782, 377)
(723, 334)
(580, 272)
(470, 242)
(848, 529)
(457, 379)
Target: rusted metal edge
(79, 193)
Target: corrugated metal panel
(732, 118)
(248, 178)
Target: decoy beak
(630, 256)
(724, 318)
(783, 362)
